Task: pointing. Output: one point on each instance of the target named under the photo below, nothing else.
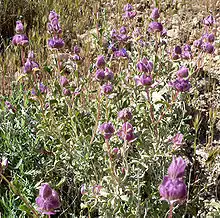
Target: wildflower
(121, 53)
(155, 14)
(100, 63)
(145, 66)
(115, 150)
(76, 49)
(186, 55)
(10, 106)
(100, 75)
(183, 72)
(31, 56)
(128, 7)
(129, 14)
(143, 80)
(181, 85)
(198, 43)
(19, 27)
(211, 38)
(42, 88)
(63, 81)
(173, 190)
(20, 40)
(155, 27)
(125, 115)
(106, 88)
(208, 48)
(177, 168)
(175, 56)
(53, 15)
(66, 92)
(177, 139)
(126, 132)
(178, 50)
(209, 21)
(123, 30)
(107, 129)
(83, 189)
(48, 200)
(55, 42)
(187, 47)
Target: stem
(97, 117)
(22, 56)
(110, 160)
(16, 192)
(171, 211)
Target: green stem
(16, 192)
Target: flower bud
(100, 63)
(155, 14)
(155, 27)
(182, 72)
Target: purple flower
(19, 27)
(128, 7)
(177, 139)
(63, 81)
(211, 38)
(183, 72)
(208, 48)
(108, 74)
(53, 15)
(48, 200)
(129, 14)
(125, 115)
(115, 150)
(143, 80)
(173, 190)
(209, 21)
(187, 47)
(107, 130)
(83, 189)
(113, 34)
(123, 30)
(100, 75)
(10, 106)
(155, 14)
(175, 56)
(163, 33)
(31, 56)
(112, 47)
(33, 92)
(28, 66)
(177, 168)
(186, 55)
(126, 132)
(121, 53)
(136, 33)
(181, 85)
(106, 88)
(42, 88)
(55, 43)
(76, 49)
(100, 63)
(76, 58)
(20, 40)
(145, 66)
(155, 27)
(66, 92)
(178, 50)
(198, 43)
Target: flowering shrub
(101, 126)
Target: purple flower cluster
(48, 200)
(20, 39)
(103, 75)
(107, 130)
(126, 132)
(129, 12)
(184, 53)
(173, 189)
(125, 115)
(30, 63)
(55, 30)
(181, 84)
